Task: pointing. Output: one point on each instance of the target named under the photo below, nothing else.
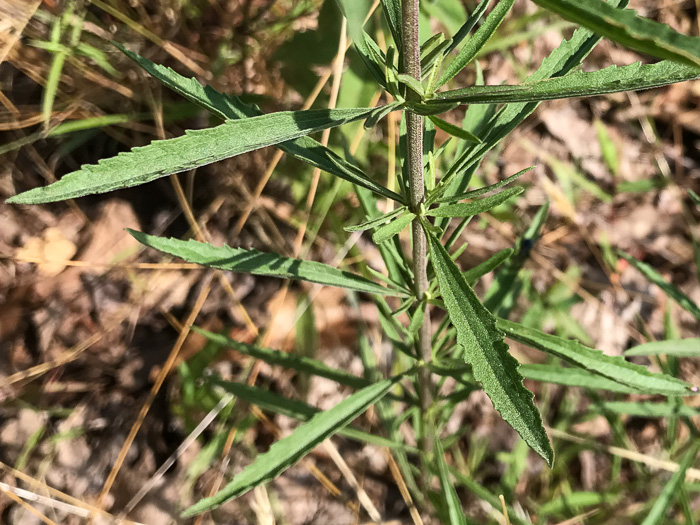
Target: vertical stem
(414, 126)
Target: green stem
(414, 126)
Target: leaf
(287, 451)
(625, 27)
(456, 131)
(649, 410)
(227, 107)
(386, 232)
(657, 514)
(574, 377)
(674, 347)
(392, 11)
(455, 513)
(561, 61)
(481, 269)
(612, 79)
(261, 263)
(615, 368)
(655, 277)
(377, 221)
(487, 353)
(467, 209)
(286, 360)
(195, 148)
(477, 41)
(468, 25)
(486, 189)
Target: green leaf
(377, 221)
(467, 209)
(487, 353)
(625, 27)
(612, 367)
(195, 148)
(227, 107)
(657, 514)
(655, 277)
(477, 41)
(468, 25)
(695, 197)
(287, 451)
(649, 410)
(576, 501)
(481, 269)
(456, 131)
(674, 347)
(387, 231)
(561, 61)
(392, 11)
(261, 263)
(455, 513)
(287, 360)
(481, 191)
(612, 79)
(573, 377)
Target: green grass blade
(194, 149)
(227, 107)
(486, 351)
(476, 42)
(468, 209)
(287, 360)
(674, 347)
(387, 231)
(625, 27)
(657, 514)
(595, 361)
(649, 410)
(655, 277)
(612, 79)
(455, 514)
(490, 264)
(261, 263)
(287, 451)
(573, 377)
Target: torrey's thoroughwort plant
(469, 344)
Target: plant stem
(414, 126)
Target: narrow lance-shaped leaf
(392, 11)
(612, 367)
(287, 451)
(377, 221)
(262, 263)
(561, 61)
(648, 409)
(468, 25)
(194, 149)
(612, 79)
(481, 191)
(481, 269)
(387, 231)
(467, 209)
(674, 347)
(455, 131)
(574, 377)
(487, 353)
(477, 41)
(625, 27)
(227, 107)
(655, 277)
